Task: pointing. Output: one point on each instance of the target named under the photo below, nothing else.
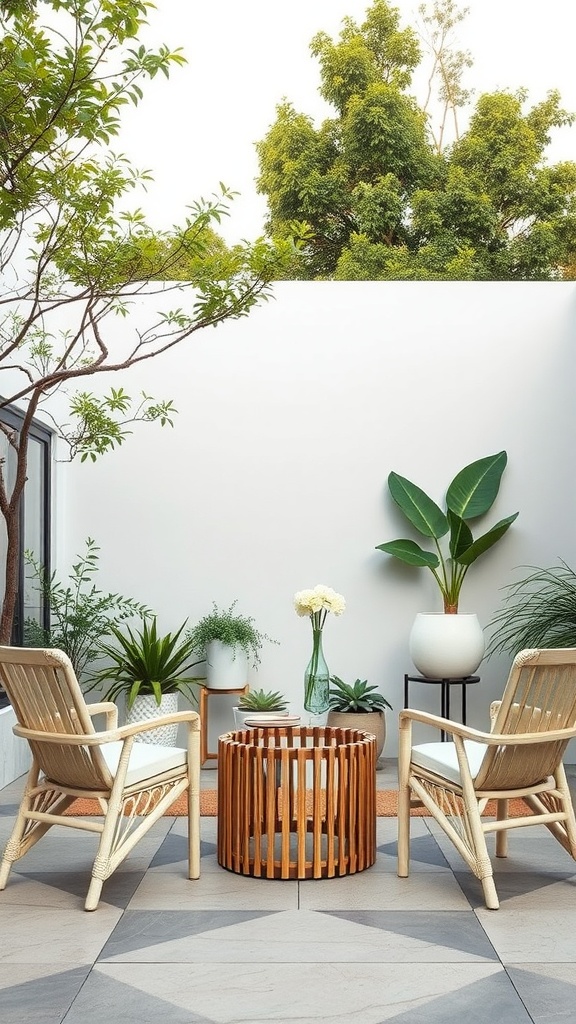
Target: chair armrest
(95, 739)
(105, 707)
(489, 738)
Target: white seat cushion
(146, 760)
(441, 759)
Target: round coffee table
(296, 802)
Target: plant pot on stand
(446, 646)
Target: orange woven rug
(386, 806)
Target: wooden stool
(296, 802)
(205, 693)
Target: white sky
(199, 128)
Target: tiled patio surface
(225, 949)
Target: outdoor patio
(225, 949)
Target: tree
(376, 193)
(73, 257)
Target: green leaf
(474, 489)
(482, 544)
(424, 514)
(410, 552)
(460, 535)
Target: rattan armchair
(520, 757)
(134, 783)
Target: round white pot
(145, 709)
(446, 646)
(226, 666)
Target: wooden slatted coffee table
(296, 802)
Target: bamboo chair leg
(502, 836)
(403, 868)
(193, 805)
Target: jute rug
(386, 806)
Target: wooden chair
(520, 757)
(134, 783)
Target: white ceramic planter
(446, 646)
(145, 709)
(226, 666)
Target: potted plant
(538, 611)
(227, 642)
(149, 671)
(358, 705)
(259, 702)
(435, 639)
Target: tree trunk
(12, 521)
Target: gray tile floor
(225, 949)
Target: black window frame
(13, 418)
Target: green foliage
(231, 629)
(145, 664)
(81, 615)
(538, 611)
(261, 700)
(379, 196)
(357, 697)
(75, 247)
(471, 494)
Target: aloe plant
(261, 700)
(358, 697)
(470, 495)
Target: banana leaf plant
(470, 495)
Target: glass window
(34, 519)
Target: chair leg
(194, 805)
(502, 835)
(403, 868)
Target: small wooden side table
(445, 685)
(205, 693)
(296, 802)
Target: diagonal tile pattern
(226, 949)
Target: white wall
(274, 477)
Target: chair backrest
(46, 697)
(540, 697)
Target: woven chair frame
(530, 728)
(67, 763)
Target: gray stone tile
(453, 931)
(39, 995)
(299, 993)
(547, 990)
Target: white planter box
(15, 756)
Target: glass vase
(316, 678)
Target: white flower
(320, 598)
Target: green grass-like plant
(539, 611)
(261, 700)
(144, 664)
(358, 697)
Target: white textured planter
(446, 646)
(226, 666)
(145, 709)
(15, 756)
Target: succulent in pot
(470, 495)
(358, 705)
(257, 702)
